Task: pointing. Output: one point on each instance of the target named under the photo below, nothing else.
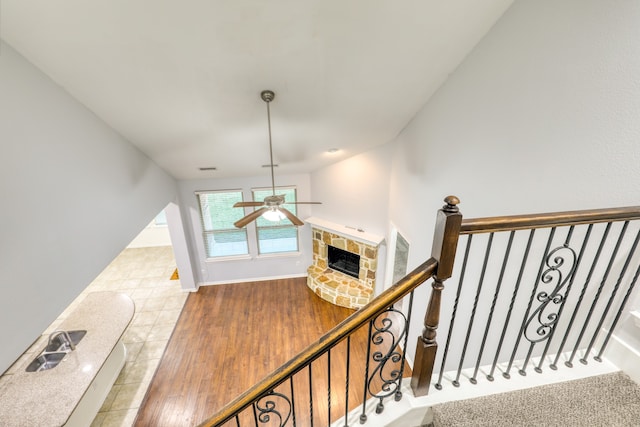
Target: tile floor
(143, 274)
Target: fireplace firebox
(343, 261)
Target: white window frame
(286, 224)
(206, 232)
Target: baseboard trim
(253, 279)
(625, 357)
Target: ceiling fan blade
(302, 203)
(247, 219)
(294, 219)
(247, 204)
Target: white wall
(152, 235)
(355, 191)
(541, 116)
(245, 268)
(73, 192)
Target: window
(161, 219)
(221, 237)
(277, 236)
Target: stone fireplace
(338, 285)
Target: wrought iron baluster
(525, 258)
(493, 305)
(237, 421)
(363, 416)
(526, 314)
(384, 335)
(613, 295)
(398, 395)
(595, 261)
(605, 276)
(553, 365)
(255, 414)
(310, 396)
(544, 318)
(293, 402)
(620, 310)
(269, 409)
(487, 252)
(346, 385)
(329, 386)
(438, 385)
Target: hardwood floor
(230, 336)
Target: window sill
(229, 258)
(280, 255)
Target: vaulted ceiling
(181, 79)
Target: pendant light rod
(267, 96)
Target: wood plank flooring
(230, 336)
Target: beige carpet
(611, 400)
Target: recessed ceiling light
(209, 168)
(332, 150)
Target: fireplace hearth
(344, 264)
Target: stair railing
(539, 284)
(537, 289)
(275, 400)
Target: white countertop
(48, 398)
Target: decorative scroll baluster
(445, 243)
(383, 336)
(438, 385)
(493, 305)
(267, 408)
(487, 252)
(605, 276)
(611, 298)
(569, 286)
(542, 321)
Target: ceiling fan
(271, 207)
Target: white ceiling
(181, 79)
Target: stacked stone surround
(334, 286)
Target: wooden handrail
(555, 219)
(404, 286)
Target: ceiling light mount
(267, 95)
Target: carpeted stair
(611, 400)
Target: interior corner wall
(541, 116)
(249, 268)
(74, 194)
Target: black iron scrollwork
(389, 360)
(542, 321)
(267, 407)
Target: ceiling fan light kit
(271, 207)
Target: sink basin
(46, 361)
(59, 343)
(55, 351)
